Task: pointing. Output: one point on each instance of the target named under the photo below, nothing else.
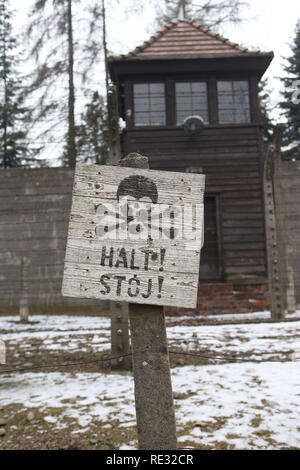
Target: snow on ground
(58, 332)
(235, 317)
(72, 334)
(257, 341)
(233, 394)
(237, 395)
(249, 405)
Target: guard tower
(190, 102)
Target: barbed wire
(22, 369)
(108, 359)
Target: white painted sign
(135, 235)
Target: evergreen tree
(290, 105)
(92, 134)
(13, 150)
(266, 109)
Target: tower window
(149, 104)
(233, 101)
(191, 100)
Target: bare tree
(65, 43)
(209, 13)
(71, 107)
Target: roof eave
(259, 62)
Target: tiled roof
(186, 39)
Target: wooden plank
(242, 245)
(246, 261)
(205, 145)
(173, 161)
(227, 231)
(233, 131)
(180, 291)
(93, 182)
(245, 238)
(175, 261)
(243, 208)
(240, 253)
(253, 195)
(259, 269)
(243, 223)
(85, 226)
(243, 215)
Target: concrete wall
(34, 211)
(290, 185)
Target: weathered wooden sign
(135, 235)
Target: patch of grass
(38, 434)
(223, 445)
(264, 433)
(232, 436)
(256, 422)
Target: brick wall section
(223, 298)
(34, 212)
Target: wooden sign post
(135, 236)
(119, 311)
